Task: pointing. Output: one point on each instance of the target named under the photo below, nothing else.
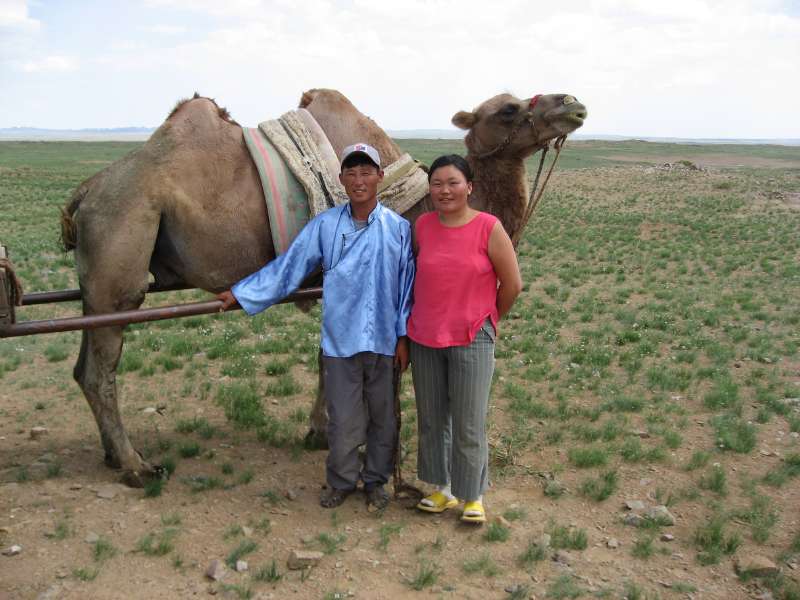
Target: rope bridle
(534, 197)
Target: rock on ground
(302, 559)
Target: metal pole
(133, 316)
(70, 295)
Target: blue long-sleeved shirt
(367, 285)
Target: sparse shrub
(242, 405)
(715, 481)
(588, 456)
(712, 542)
(244, 548)
(268, 573)
(600, 488)
(734, 434)
(562, 537)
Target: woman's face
(449, 189)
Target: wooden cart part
(7, 315)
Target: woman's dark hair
(451, 160)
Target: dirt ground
(57, 499)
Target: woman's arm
(504, 261)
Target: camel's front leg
(96, 373)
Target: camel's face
(507, 126)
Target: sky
(674, 68)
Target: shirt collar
(372, 216)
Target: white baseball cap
(365, 149)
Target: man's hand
(401, 354)
(227, 299)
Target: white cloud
(167, 29)
(50, 64)
(685, 68)
(14, 15)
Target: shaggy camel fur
(188, 207)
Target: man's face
(361, 183)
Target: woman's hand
(504, 261)
(401, 354)
(228, 299)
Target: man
(365, 253)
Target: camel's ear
(463, 119)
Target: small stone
(241, 566)
(91, 538)
(502, 521)
(307, 539)
(633, 519)
(12, 550)
(562, 557)
(302, 559)
(667, 537)
(635, 505)
(150, 410)
(216, 570)
(75, 487)
(51, 593)
(247, 531)
(543, 541)
(107, 492)
(290, 495)
(661, 515)
(612, 543)
(756, 565)
(642, 433)
(37, 432)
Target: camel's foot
(111, 460)
(316, 440)
(139, 478)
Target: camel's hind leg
(112, 261)
(317, 436)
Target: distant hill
(142, 133)
(115, 133)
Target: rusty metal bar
(71, 295)
(133, 316)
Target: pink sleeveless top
(455, 289)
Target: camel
(187, 207)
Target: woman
(462, 256)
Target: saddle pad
(286, 199)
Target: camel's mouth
(576, 118)
(570, 115)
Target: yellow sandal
(473, 512)
(437, 502)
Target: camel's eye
(509, 110)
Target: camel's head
(510, 127)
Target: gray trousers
(359, 397)
(451, 386)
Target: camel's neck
(500, 188)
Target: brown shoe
(331, 497)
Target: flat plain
(651, 360)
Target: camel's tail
(69, 232)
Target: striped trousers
(451, 386)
